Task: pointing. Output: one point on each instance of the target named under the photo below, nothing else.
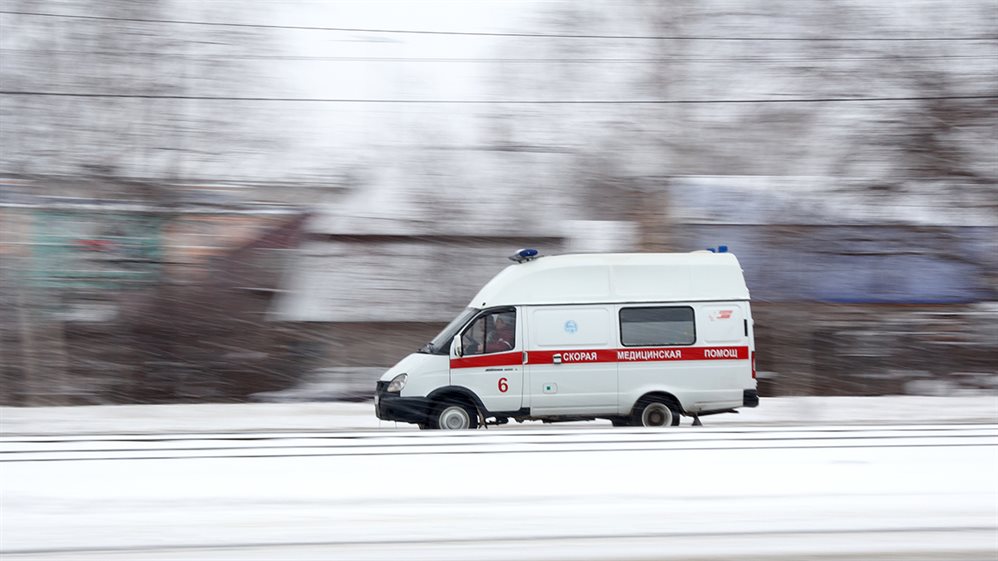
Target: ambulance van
(640, 339)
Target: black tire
(656, 412)
(453, 415)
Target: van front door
(490, 362)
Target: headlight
(397, 383)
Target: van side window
(494, 332)
(641, 327)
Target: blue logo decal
(571, 327)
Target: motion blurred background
(225, 201)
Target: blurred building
(209, 297)
(126, 297)
(854, 294)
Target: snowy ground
(814, 478)
(351, 416)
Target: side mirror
(455, 346)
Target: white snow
(349, 416)
(754, 486)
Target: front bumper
(393, 407)
(750, 398)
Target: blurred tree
(112, 98)
(697, 54)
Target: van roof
(616, 278)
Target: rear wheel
(456, 416)
(657, 412)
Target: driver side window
(471, 340)
(494, 332)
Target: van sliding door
(571, 364)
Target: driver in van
(501, 336)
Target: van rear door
(727, 325)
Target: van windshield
(440, 345)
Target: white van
(637, 338)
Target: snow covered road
(905, 492)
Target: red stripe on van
(652, 354)
(683, 353)
(573, 356)
(576, 356)
(480, 361)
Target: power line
(487, 60)
(501, 102)
(491, 34)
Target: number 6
(503, 386)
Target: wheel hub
(656, 415)
(454, 419)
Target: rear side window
(640, 327)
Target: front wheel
(456, 416)
(657, 412)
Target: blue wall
(875, 264)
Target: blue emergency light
(525, 254)
(718, 249)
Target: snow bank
(334, 416)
